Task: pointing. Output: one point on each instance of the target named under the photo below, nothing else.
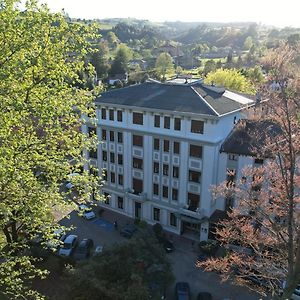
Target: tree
(164, 64)
(231, 79)
(255, 75)
(120, 63)
(248, 43)
(266, 217)
(125, 271)
(99, 59)
(40, 59)
(210, 66)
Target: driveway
(183, 259)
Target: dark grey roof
(249, 137)
(190, 98)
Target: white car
(98, 250)
(86, 212)
(69, 185)
(69, 245)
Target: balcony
(133, 195)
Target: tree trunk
(7, 235)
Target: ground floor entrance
(137, 210)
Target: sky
(280, 13)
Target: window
(93, 154)
(232, 157)
(167, 122)
(103, 113)
(166, 146)
(197, 126)
(120, 159)
(155, 189)
(156, 121)
(196, 151)
(177, 124)
(137, 140)
(173, 220)
(137, 186)
(137, 163)
(137, 118)
(258, 161)
(156, 144)
(176, 148)
(112, 177)
(165, 170)
(165, 192)
(103, 134)
(111, 114)
(156, 214)
(92, 131)
(194, 176)
(120, 179)
(120, 137)
(175, 172)
(193, 201)
(119, 116)
(107, 198)
(104, 155)
(112, 136)
(174, 194)
(104, 174)
(120, 202)
(112, 157)
(231, 176)
(156, 167)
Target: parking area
(183, 259)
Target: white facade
(176, 215)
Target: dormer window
(197, 126)
(137, 118)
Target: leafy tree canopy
(164, 64)
(231, 79)
(126, 271)
(40, 59)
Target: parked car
(86, 212)
(98, 250)
(68, 184)
(182, 291)
(83, 251)
(69, 245)
(204, 296)
(128, 230)
(296, 293)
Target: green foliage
(255, 75)
(248, 43)
(124, 271)
(231, 79)
(120, 63)
(164, 64)
(41, 58)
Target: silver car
(69, 245)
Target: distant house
(138, 62)
(113, 79)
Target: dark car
(204, 296)
(83, 251)
(182, 291)
(128, 230)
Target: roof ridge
(195, 91)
